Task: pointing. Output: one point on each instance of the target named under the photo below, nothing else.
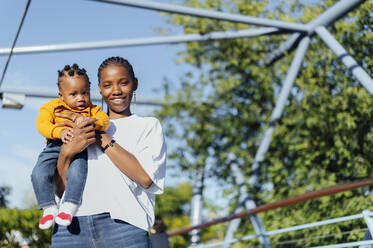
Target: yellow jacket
(46, 118)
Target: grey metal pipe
(334, 13)
(347, 59)
(245, 201)
(279, 108)
(173, 8)
(50, 93)
(141, 41)
(331, 15)
(197, 206)
(265, 142)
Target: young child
(74, 95)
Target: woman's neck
(114, 115)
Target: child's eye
(72, 94)
(124, 83)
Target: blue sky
(56, 22)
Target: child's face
(75, 92)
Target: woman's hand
(83, 136)
(67, 114)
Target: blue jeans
(43, 173)
(99, 231)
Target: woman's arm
(125, 161)
(83, 136)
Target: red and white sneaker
(66, 213)
(63, 219)
(49, 215)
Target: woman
(126, 168)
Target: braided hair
(116, 61)
(71, 71)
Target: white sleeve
(152, 154)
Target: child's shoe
(66, 213)
(49, 214)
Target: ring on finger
(74, 118)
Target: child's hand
(80, 119)
(66, 135)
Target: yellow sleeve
(45, 124)
(103, 122)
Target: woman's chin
(120, 111)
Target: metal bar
(315, 224)
(278, 204)
(368, 219)
(141, 41)
(50, 93)
(289, 229)
(197, 205)
(287, 46)
(351, 244)
(173, 8)
(277, 112)
(347, 59)
(247, 202)
(234, 224)
(327, 18)
(276, 115)
(334, 13)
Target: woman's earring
(134, 104)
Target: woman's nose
(116, 89)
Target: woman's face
(116, 87)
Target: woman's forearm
(63, 164)
(126, 162)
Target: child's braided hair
(71, 71)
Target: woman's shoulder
(139, 122)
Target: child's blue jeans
(45, 169)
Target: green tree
(324, 138)
(4, 192)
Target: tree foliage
(324, 137)
(4, 192)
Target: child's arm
(103, 122)
(45, 124)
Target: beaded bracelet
(111, 144)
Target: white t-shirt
(107, 189)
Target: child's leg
(75, 178)
(43, 173)
(42, 181)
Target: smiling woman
(117, 84)
(126, 170)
